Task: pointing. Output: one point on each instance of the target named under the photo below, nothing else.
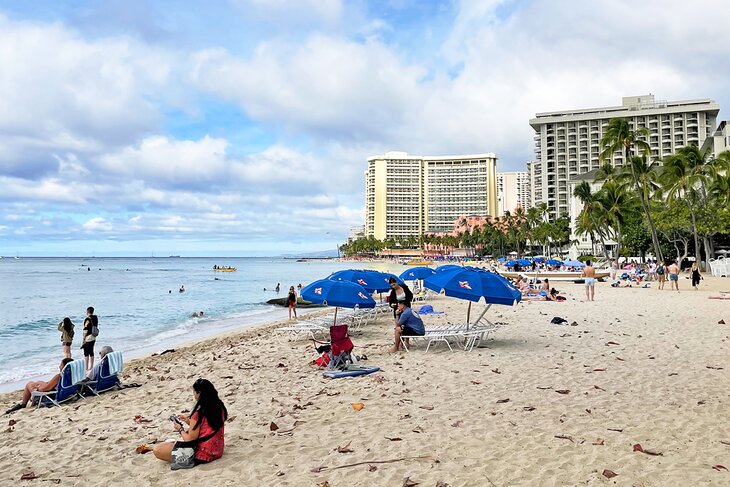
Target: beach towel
(427, 309)
(78, 372)
(116, 363)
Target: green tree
(619, 137)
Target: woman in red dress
(206, 422)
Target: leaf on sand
(441, 484)
(140, 419)
(502, 401)
(273, 426)
(721, 322)
(407, 482)
(563, 391)
(457, 423)
(344, 449)
(637, 447)
(427, 408)
(230, 418)
(12, 422)
(609, 474)
(323, 484)
(372, 468)
(31, 475)
(599, 370)
(724, 442)
(316, 469)
(719, 467)
(357, 406)
(598, 387)
(619, 358)
(565, 437)
(598, 442)
(713, 367)
(619, 430)
(143, 448)
(393, 439)
(611, 343)
(529, 408)
(496, 371)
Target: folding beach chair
(67, 388)
(111, 366)
(337, 352)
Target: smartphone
(175, 419)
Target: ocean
(137, 301)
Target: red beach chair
(337, 352)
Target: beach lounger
(305, 328)
(68, 386)
(466, 336)
(111, 366)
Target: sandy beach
(540, 404)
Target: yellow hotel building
(413, 195)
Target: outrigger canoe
(225, 269)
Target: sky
(243, 127)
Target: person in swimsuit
(673, 276)
(291, 302)
(30, 387)
(66, 327)
(589, 276)
(206, 422)
(696, 276)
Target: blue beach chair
(111, 366)
(67, 388)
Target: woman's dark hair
(67, 324)
(209, 405)
(392, 280)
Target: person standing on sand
(661, 273)
(614, 269)
(291, 302)
(89, 338)
(673, 270)
(696, 276)
(589, 276)
(66, 327)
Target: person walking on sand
(614, 269)
(696, 276)
(673, 270)
(661, 274)
(291, 302)
(589, 276)
(66, 327)
(91, 331)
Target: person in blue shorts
(408, 323)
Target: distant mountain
(322, 254)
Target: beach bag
(183, 453)
(95, 331)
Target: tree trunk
(707, 241)
(694, 233)
(645, 206)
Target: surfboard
(350, 371)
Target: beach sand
(641, 367)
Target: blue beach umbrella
(574, 263)
(501, 259)
(474, 284)
(523, 262)
(371, 281)
(447, 267)
(554, 262)
(539, 260)
(417, 273)
(340, 294)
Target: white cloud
(97, 224)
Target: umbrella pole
(335, 321)
(468, 315)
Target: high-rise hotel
(567, 143)
(412, 195)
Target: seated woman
(206, 426)
(39, 386)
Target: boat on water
(418, 262)
(225, 269)
(568, 276)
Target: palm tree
(615, 201)
(620, 137)
(646, 174)
(720, 189)
(685, 175)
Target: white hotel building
(513, 188)
(567, 142)
(412, 195)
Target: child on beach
(66, 327)
(206, 425)
(291, 302)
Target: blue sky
(242, 127)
